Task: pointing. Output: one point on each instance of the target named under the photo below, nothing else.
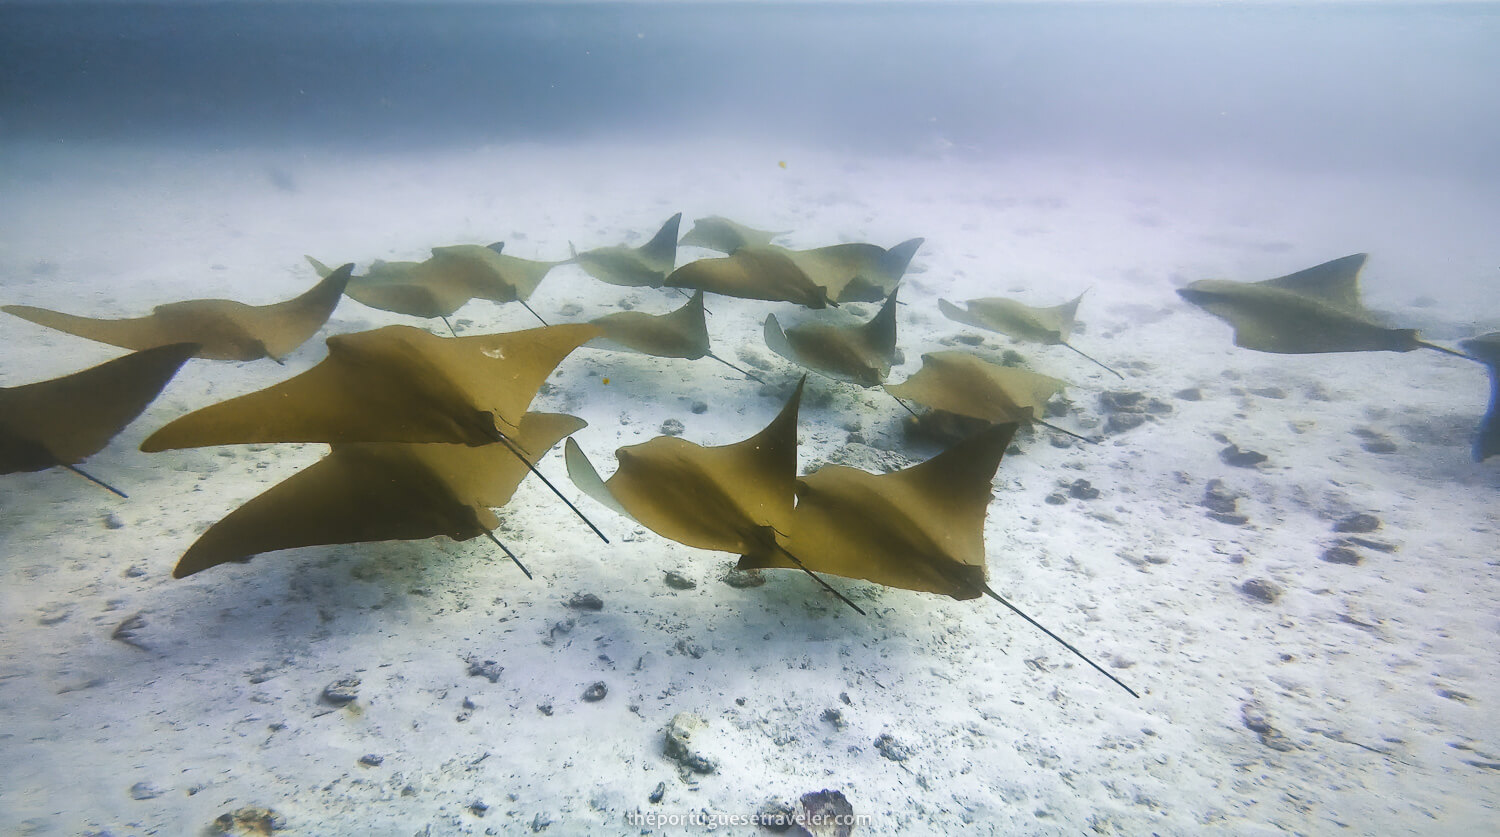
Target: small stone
(545, 709)
(586, 601)
(970, 339)
(1121, 422)
(777, 816)
(827, 813)
(596, 692)
(658, 793)
(1257, 720)
(478, 808)
(248, 821)
(54, 613)
(1261, 590)
(741, 579)
(1254, 717)
(1358, 523)
(891, 748)
(371, 760)
(341, 691)
(135, 571)
(540, 822)
(1158, 407)
(1189, 394)
(1341, 555)
(1127, 401)
(672, 427)
(1055, 499)
(113, 521)
(145, 790)
(678, 581)
(1232, 455)
(1229, 517)
(1083, 490)
(680, 746)
(488, 669)
(835, 717)
(699, 408)
(1381, 445)
(1218, 498)
(1369, 543)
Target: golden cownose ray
(682, 333)
(732, 498)
(362, 493)
(754, 272)
(860, 354)
(725, 236)
(857, 272)
(1486, 349)
(395, 384)
(644, 266)
(222, 328)
(963, 385)
(439, 286)
(1048, 326)
(1309, 312)
(63, 421)
(920, 528)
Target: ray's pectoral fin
(581, 471)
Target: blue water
(1334, 85)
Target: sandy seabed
(1362, 700)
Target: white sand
(1379, 679)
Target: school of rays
(429, 434)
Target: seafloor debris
(684, 741)
(1261, 590)
(585, 601)
(341, 691)
(824, 813)
(248, 822)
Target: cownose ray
(362, 493)
(60, 422)
(645, 266)
(1049, 326)
(725, 236)
(920, 528)
(395, 384)
(971, 388)
(1486, 349)
(731, 498)
(754, 272)
(1308, 312)
(681, 333)
(444, 283)
(223, 329)
(859, 354)
(857, 272)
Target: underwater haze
(1320, 84)
(1111, 389)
